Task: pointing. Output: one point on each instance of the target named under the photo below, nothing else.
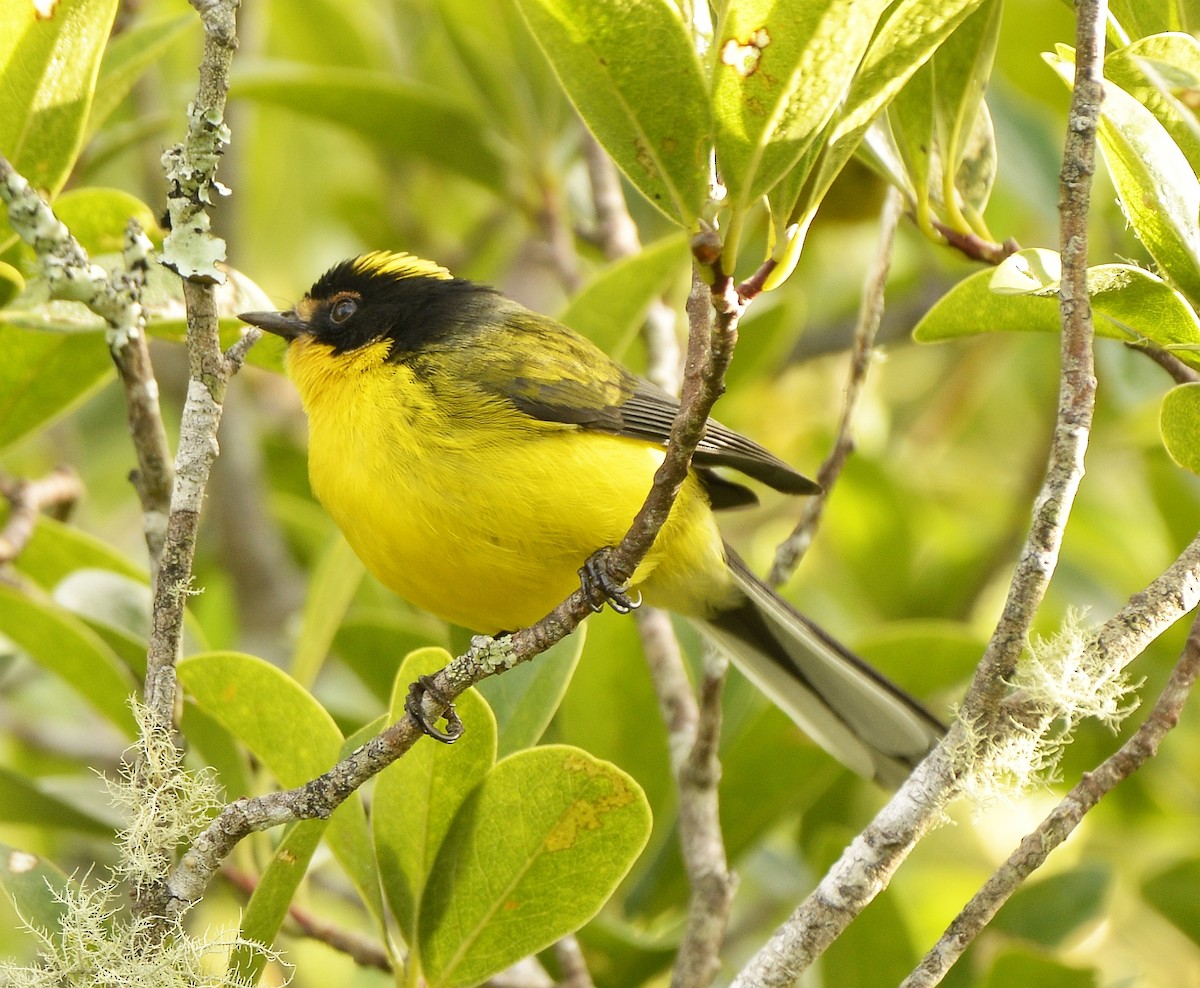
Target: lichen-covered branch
(71, 275)
(1036, 846)
(869, 862)
(1077, 388)
(193, 252)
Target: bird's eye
(343, 309)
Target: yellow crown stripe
(399, 265)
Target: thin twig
(867, 865)
(71, 275)
(693, 728)
(193, 253)
(974, 246)
(792, 549)
(364, 951)
(57, 492)
(1180, 372)
(1036, 846)
(1077, 390)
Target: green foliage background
(437, 127)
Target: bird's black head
(377, 296)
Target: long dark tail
(866, 722)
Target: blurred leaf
(941, 127)
(926, 656)
(1035, 971)
(22, 801)
(49, 66)
(264, 914)
(1049, 911)
(276, 888)
(36, 887)
(909, 32)
(97, 218)
(1021, 295)
(293, 735)
(58, 550)
(396, 116)
(1172, 892)
(1158, 190)
(633, 75)
(11, 283)
(1145, 17)
(334, 581)
(416, 797)
(125, 60)
(854, 960)
(62, 644)
(610, 709)
(374, 642)
(533, 854)
(45, 375)
(526, 698)
(508, 71)
(1158, 71)
(611, 307)
(1179, 421)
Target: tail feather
(858, 716)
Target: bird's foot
(424, 686)
(600, 588)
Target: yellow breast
(475, 512)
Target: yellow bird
(475, 454)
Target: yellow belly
(484, 519)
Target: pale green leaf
(272, 896)
(127, 57)
(36, 886)
(1141, 18)
(909, 32)
(416, 797)
(1157, 71)
(631, 71)
(23, 801)
(782, 68)
(1021, 295)
(1179, 423)
(98, 217)
(939, 125)
(48, 68)
(533, 854)
(62, 644)
(290, 733)
(1158, 190)
(58, 550)
(334, 581)
(45, 375)
(526, 697)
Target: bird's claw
(600, 588)
(412, 706)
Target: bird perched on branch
(476, 454)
